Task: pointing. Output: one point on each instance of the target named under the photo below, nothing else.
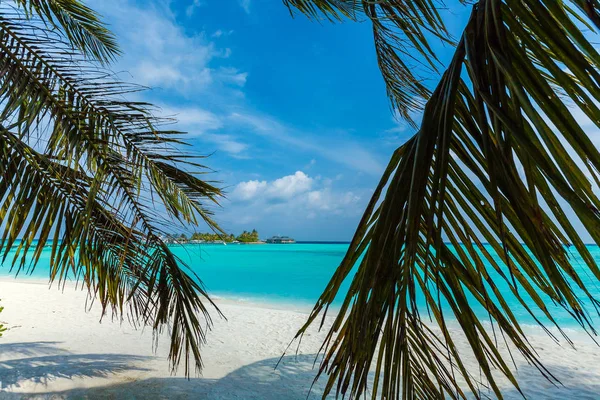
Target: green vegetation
(245, 237)
(78, 165)
(2, 327)
(213, 237)
(248, 237)
(501, 154)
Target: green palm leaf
(400, 30)
(81, 25)
(88, 170)
(498, 158)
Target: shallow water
(296, 274)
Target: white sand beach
(54, 349)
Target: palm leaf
(81, 25)
(90, 171)
(401, 30)
(498, 158)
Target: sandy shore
(54, 349)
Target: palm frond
(91, 171)
(81, 25)
(497, 157)
(402, 30)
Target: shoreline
(295, 305)
(55, 349)
(299, 306)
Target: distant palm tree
(503, 155)
(93, 175)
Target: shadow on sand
(38, 362)
(576, 384)
(42, 362)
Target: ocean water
(288, 274)
(296, 274)
(291, 274)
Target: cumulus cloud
(292, 196)
(291, 204)
(283, 188)
(249, 190)
(289, 186)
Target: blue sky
(294, 111)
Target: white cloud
(205, 125)
(289, 186)
(227, 143)
(193, 120)
(327, 200)
(249, 190)
(286, 205)
(219, 33)
(215, 128)
(399, 133)
(159, 52)
(189, 11)
(233, 76)
(169, 76)
(245, 4)
(310, 164)
(297, 194)
(283, 188)
(343, 150)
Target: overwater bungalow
(281, 240)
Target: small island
(215, 238)
(245, 237)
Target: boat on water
(280, 240)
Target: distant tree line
(244, 237)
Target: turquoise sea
(291, 274)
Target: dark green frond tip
(81, 25)
(2, 327)
(328, 9)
